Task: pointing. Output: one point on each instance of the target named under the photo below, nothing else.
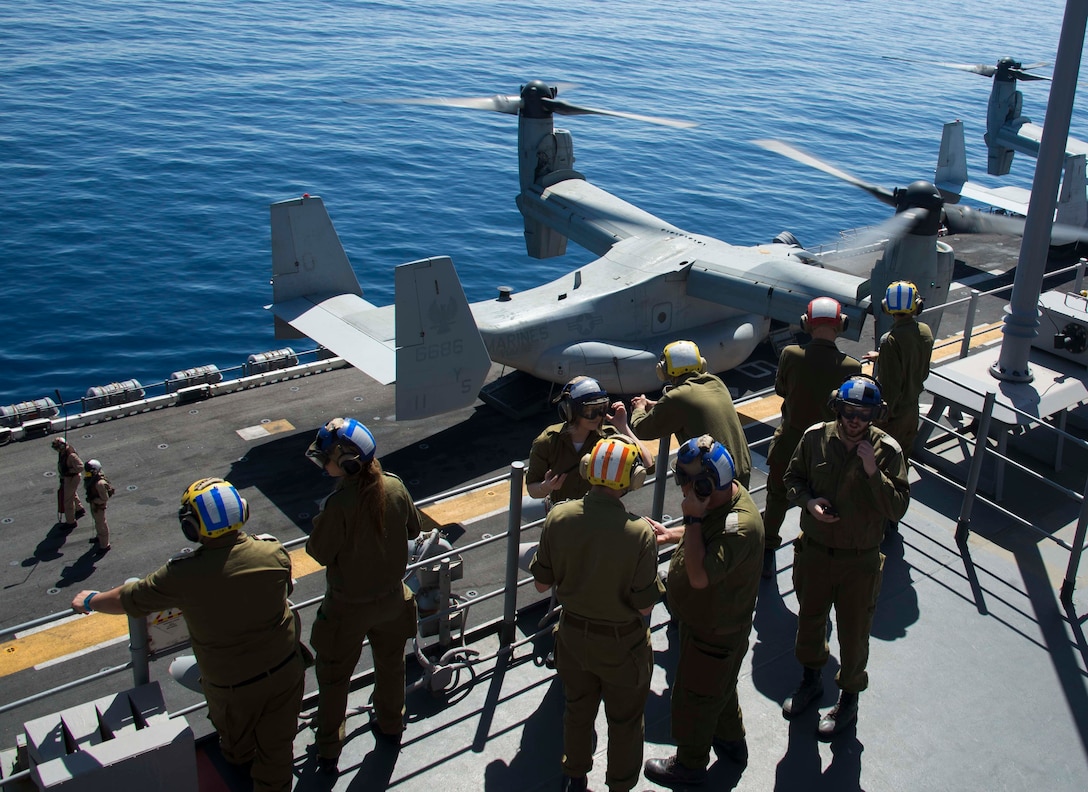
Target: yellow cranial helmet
(211, 507)
(902, 299)
(678, 359)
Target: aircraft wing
(779, 289)
(350, 326)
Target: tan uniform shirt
(806, 376)
(903, 365)
(361, 564)
(233, 594)
(733, 536)
(554, 450)
(822, 467)
(699, 405)
(601, 559)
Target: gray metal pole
(513, 544)
(969, 324)
(138, 647)
(1022, 313)
(963, 525)
(661, 478)
(1075, 553)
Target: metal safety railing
(978, 442)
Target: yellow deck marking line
(66, 638)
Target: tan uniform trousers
(598, 663)
(70, 498)
(258, 721)
(704, 695)
(850, 581)
(904, 429)
(778, 459)
(337, 638)
(101, 529)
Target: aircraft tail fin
(307, 257)
(951, 172)
(442, 361)
(1072, 202)
(316, 294)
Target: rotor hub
(534, 96)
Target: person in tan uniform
(232, 592)
(848, 477)
(694, 403)
(361, 537)
(902, 362)
(98, 491)
(583, 405)
(806, 374)
(69, 469)
(712, 585)
(602, 561)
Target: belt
(838, 552)
(370, 598)
(596, 628)
(260, 676)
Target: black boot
(768, 565)
(810, 690)
(579, 784)
(840, 717)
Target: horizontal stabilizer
(441, 358)
(351, 327)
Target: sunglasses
(701, 484)
(864, 414)
(593, 413)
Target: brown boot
(840, 717)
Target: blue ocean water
(141, 143)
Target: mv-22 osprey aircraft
(653, 283)
(1008, 131)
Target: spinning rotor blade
(786, 150)
(511, 104)
(497, 103)
(1014, 70)
(965, 220)
(566, 108)
(896, 226)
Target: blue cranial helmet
(706, 464)
(344, 441)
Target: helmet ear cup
(565, 408)
(190, 524)
(348, 458)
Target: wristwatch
(689, 520)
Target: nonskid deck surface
(977, 672)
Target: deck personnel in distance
(806, 374)
(583, 406)
(693, 403)
(602, 561)
(902, 362)
(232, 592)
(98, 491)
(69, 469)
(361, 537)
(712, 585)
(848, 477)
